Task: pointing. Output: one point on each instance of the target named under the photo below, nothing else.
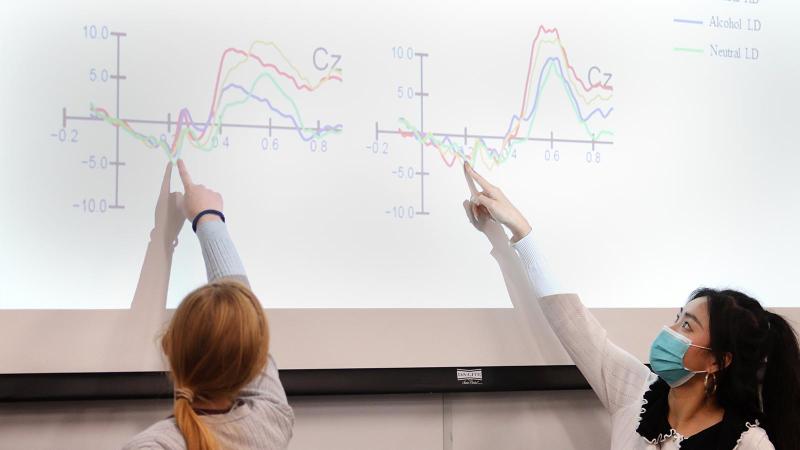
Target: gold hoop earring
(713, 389)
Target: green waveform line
(207, 141)
(506, 153)
(688, 50)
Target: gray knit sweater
(261, 417)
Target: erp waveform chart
(281, 113)
(589, 96)
(336, 132)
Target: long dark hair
(763, 378)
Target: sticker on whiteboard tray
(470, 376)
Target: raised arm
(222, 261)
(219, 253)
(615, 375)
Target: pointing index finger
(185, 177)
(470, 182)
(481, 181)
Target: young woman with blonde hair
(227, 391)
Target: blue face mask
(666, 357)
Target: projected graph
(589, 98)
(261, 75)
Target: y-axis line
(117, 77)
(422, 94)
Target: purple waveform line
(537, 96)
(203, 126)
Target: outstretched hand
(492, 204)
(197, 198)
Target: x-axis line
(169, 123)
(493, 137)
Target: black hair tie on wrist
(203, 213)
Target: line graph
(589, 98)
(206, 134)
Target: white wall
(507, 421)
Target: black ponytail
(763, 378)
(781, 386)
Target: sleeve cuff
(525, 248)
(544, 283)
(219, 252)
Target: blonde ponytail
(216, 343)
(195, 432)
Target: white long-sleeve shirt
(618, 378)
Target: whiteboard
(651, 147)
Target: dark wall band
(143, 385)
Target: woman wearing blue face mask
(725, 375)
